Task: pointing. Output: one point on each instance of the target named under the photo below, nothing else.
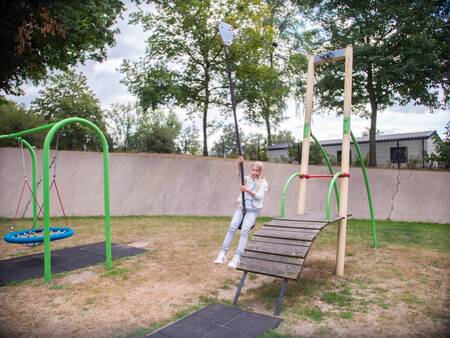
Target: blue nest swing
(36, 236)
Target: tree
(40, 35)
(184, 64)
(68, 95)
(267, 75)
(122, 121)
(400, 54)
(255, 148)
(283, 136)
(157, 132)
(14, 118)
(226, 145)
(443, 147)
(189, 142)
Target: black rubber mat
(219, 321)
(67, 259)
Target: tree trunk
(269, 135)
(205, 125)
(205, 112)
(373, 119)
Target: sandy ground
(389, 292)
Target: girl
(255, 190)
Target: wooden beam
(331, 56)
(345, 162)
(306, 136)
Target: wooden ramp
(280, 248)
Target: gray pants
(247, 223)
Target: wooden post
(345, 162)
(306, 136)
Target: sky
(104, 80)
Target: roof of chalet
(278, 146)
(418, 135)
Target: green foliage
(184, 64)
(189, 142)
(122, 121)
(251, 145)
(68, 95)
(179, 35)
(395, 60)
(342, 299)
(40, 35)
(283, 136)
(14, 118)
(267, 75)
(443, 147)
(274, 334)
(254, 148)
(157, 132)
(226, 145)
(314, 314)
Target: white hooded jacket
(260, 189)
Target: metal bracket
(238, 291)
(281, 297)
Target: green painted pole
(27, 132)
(369, 195)
(330, 189)
(283, 195)
(46, 187)
(33, 177)
(330, 167)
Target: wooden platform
(280, 247)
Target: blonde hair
(261, 177)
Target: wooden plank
(269, 268)
(296, 230)
(281, 241)
(274, 258)
(278, 249)
(296, 224)
(286, 234)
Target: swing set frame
(53, 129)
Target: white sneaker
(221, 258)
(234, 262)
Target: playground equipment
(281, 246)
(34, 236)
(53, 129)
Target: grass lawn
(400, 289)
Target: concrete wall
(150, 184)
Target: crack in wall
(397, 179)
